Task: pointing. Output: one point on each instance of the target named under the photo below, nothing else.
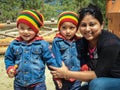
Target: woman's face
(90, 28)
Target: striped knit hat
(31, 18)
(67, 16)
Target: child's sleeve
(56, 52)
(9, 57)
(48, 55)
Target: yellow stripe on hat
(32, 13)
(29, 20)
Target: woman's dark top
(106, 57)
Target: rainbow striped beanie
(32, 18)
(67, 16)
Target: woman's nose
(87, 28)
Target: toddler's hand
(11, 73)
(59, 83)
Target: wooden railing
(10, 31)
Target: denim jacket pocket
(63, 48)
(17, 50)
(36, 50)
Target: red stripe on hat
(68, 13)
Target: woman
(101, 51)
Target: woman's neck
(92, 43)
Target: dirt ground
(6, 83)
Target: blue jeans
(40, 86)
(103, 83)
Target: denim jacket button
(25, 61)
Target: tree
(9, 10)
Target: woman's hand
(60, 72)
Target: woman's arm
(82, 75)
(63, 72)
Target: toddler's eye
(30, 29)
(63, 27)
(72, 27)
(21, 28)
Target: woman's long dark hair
(90, 10)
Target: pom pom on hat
(67, 16)
(32, 18)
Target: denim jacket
(67, 52)
(31, 60)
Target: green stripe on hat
(28, 15)
(41, 18)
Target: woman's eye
(83, 25)
(91, 24)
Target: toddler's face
(26, 32)
(68, 30)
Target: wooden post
(108, 6)
(2, 25)
(113, 15)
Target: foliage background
(10, 9)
